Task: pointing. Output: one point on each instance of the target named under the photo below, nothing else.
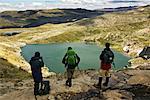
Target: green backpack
(71, 57)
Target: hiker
(106, 58)
(37, 63)
(71, 60)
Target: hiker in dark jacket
(106, 57)
(37, 63)
(71, 60)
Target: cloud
(5, 4)
(83, 1)
(48, 4)
(96, 4)
(125, 1)
(102, 1)
(37, 4)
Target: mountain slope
(33, 18)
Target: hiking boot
(67, 82)
(106, 83)
(99, 83)
(70, 83)
(97, 86)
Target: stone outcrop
(125, 84)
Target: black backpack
(46, 88)
(107, 56)
(36, 62)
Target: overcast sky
(48, 4)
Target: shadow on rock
(140, 92)
(88, 95)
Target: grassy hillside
(32, 18)
(120, 29)
(9, 71)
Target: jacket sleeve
(64, 59)
(42, 62)
(30, 62)
(78, 59)
(101, 55)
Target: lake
(89, 54)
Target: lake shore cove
(89, 55)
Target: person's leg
(101, 73)
(36, 88)
(107, 74)
(106, 82)
(68, 76)
(41, 88)
(99, 82)
(67, 81)
(71, 76)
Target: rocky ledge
(126, 84)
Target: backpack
(46, 88)
(36, 62)
(108, 56)
(71, 57)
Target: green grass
(9, 71)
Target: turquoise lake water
(89, 54)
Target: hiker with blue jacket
(71, 61)
(106, 57)
(37, 63)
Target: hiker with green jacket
(71, 60)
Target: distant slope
(32, 18)
(131, 28)
(117, 27)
